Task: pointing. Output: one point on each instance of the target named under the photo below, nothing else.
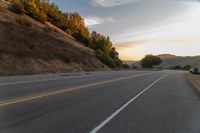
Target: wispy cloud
(111, 3)
(90, 21)
(159, 42)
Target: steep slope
(40, 48)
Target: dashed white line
(102, 124)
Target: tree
(33, 8)
(187, 67)
(104, 49)
(126, 66)
(73, 24)
(149, 61)
(177, 67)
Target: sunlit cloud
(169, 41)
(139, 27)
(91, 21)
(111, 3)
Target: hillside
(172, 60)
(165, 56)
(40, 48)
(130, 63)
(194, 61)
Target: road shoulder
(194, 81)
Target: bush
(41, 16)
(125, 66)
(177, 67)
(66, 59)
(24, 21)
(118, 62)
(149, 61)
(187, 67)
(33, 11)
(105, 58)
(17, 7)
(47, 29)
(81, 37)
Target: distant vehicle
(195, 70)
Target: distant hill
(173, 60)
(130, 63)
(40, 48)
(165, 56)
(194, 61)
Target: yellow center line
(37, 96)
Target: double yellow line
(46, 94)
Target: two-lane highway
(107, 102)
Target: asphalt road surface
(99, 102)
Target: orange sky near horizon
(136, 50)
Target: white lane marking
(34, 81)
(50, 93)
(23, 82)
(102, 124)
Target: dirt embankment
(194, 79)
(40, 48)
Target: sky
(140, 27)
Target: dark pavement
(79, 103)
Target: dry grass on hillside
(40, 48)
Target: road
(99, 102)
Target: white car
(195, 70)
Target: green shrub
(17, 7)
(105, 58)
(125, 66)
(187, 67)
(24, 21)
(33, 11)
(177, 67)
(149, 61)
(66, 59)
(47, 29)
(41, 16)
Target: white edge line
(102, 124)
(34, 81)
(23, 82)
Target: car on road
(195, 70)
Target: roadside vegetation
(178, 67)
(126, 66)
(24, 21)
(71, 23)
(151, 61)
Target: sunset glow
(140, 27)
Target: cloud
(111, 3)
(157, 41)
(91, 21)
